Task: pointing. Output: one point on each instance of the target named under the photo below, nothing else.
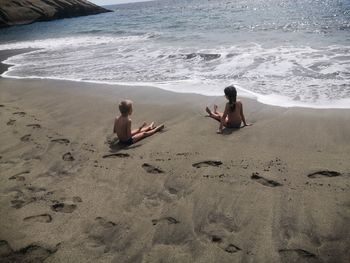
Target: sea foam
(288, 76)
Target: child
(233, 114)
(122, 126)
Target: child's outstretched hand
(142, 126)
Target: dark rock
(20, 12)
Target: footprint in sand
(222, 221)
(264, 181)
(63, 208)
(207, 163)
(27, 195)
(296, 253)
(34, 126)
(43, 218)
(325, 173)
(10, 122)
(88, 147)
(231, 248)
(68, 157)
(185, 154)
(77, 199)
(107, 235)
(26, 138)
(216, 239)
(18, 176)
(31, 253)
(151, 169)
(119, 155)
(19, 113)
(61, 141)
(35, 189)
(19, 203)
(104, 222)
(169, 219)
(172, 190)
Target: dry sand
(274, 192)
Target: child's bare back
(233, 115)
(121, 125)
(234, 118)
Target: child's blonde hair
(125, 107)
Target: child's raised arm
(115, 126)
(242, 116)
(223, 118)
(128, 129)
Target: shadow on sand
(225, 130)
(229, 131)
(116, 146)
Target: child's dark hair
(231, 94)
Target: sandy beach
(278, 191)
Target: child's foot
(146, 127)
(208, 111)
(215, 108)
(159, 128)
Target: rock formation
(19, 12)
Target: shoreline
(277, 191)
(263, 99)
(5, 54)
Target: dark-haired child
(233, 115)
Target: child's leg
(215, 108)
(216, 115)
(136, 131)
(139, 136)
(145, 128)
(148, 128)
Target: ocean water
(280, 52)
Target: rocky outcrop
(19, 12)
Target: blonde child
(122, 126)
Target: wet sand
(277, 191)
